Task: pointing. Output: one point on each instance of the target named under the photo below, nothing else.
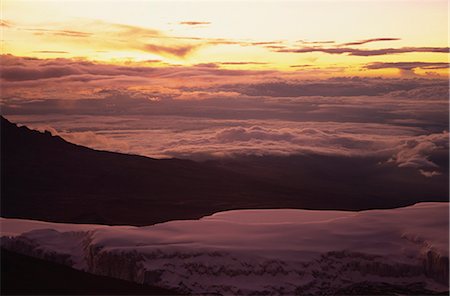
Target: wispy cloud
(363, 52)
(194, 23)
(301, 66)
(408, 65)
(104, 36)
(316, 42)
(369, 41)
(264, 43)
(5, 23)
(407, 68)
(66, 33)
(359, 42)
(50, 51)
(243, 63)
(174, 50)
(114, 36)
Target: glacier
(259, 252)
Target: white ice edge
(246, 240)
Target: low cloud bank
(202, 138)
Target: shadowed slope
(46, 178)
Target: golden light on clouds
(329, 36)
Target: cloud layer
(157, 111)
(200, 138)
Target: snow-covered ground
(255, 251)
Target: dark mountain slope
(44, 177)
(346, 182)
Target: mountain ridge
(47, 178)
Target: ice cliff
(267, 252)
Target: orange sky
(333, 37)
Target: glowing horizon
(319, 38)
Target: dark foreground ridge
(46, 178)
(24, 275)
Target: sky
(353, 35)
(199, 79)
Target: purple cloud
(407, 65)
(370, 41)
(194, 23)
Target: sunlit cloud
(408, 68)
(364, 52)
(178, 50)
(63, 33)
(370, 41)
(5, 23)
(408, 65)
(242, 63)
(50, 51)
(53, 76)
(194, 23)
(316, 42)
